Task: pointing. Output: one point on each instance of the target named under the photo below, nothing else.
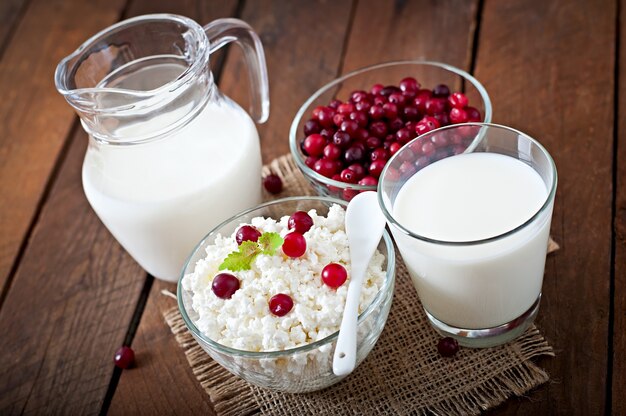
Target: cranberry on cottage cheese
(245, 322)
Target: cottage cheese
(244, 321)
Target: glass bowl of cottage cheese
(269, 311)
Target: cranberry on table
(247, 233)
(280, 304)
(334, 275)
(124, 357)
(300, 221)
(224, 285)
(294, 244)
(273, 184)
(447, 347)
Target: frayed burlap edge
(231, 396)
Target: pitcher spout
(116, 79)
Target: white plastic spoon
(365, 224)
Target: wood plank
(543, 82)
(619, 261)
(303, 45)
(35, 118)
(403, 30)
(162, 382)
(69, 307)
(10, 11)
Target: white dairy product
(159, 198)
(466, 198)
(245, 322)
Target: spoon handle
(344, 359)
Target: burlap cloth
(404, 374)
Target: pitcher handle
(223, 31)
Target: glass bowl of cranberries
(343, 135)
(270, 313)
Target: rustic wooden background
(69, 295)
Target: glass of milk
(169, 155)
(471, 220)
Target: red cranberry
(441, 90)
(410, 113)
(273, 184)
(224, 285)
(362, 134)
(316, 111)
(325, 167)
(341, 139)
(345, 108)
(368, 181)
(311, 127)
(376, 89)
(420, 103)
(310, 162)
(435, 105)
(338, 119)
(124, 357)
(376, 112)
(409, 83)
(334, 275)
(358, 96)
(334, 104)
(376, 167)
(247, 233)
(473, 114)
(354, 154)
(294, 244)
(447, 347)
(388, 90)
(358, 170)
(379, 100)
(458, 115)
(363, 106)
(458, 100)
(327, 133)
(348, 176)
(426, 124)
(314, 145)
(397, 98)
(332, 151)
(300, 222)
(379, 154)
(404, 135)
(325, 116)
(360, 118)
(391, 110)
(396, 124)
(378, 129)
(348, 194)
(349, 127)
(443, 119)
(280, 304)
(332, 188)
(394, 147)
(373, 142)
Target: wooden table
(70, 295)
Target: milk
(472, 197)
(160, 198)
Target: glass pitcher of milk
(169, 156)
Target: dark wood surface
(70, 295)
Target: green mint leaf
(270, 242)
(242, 258)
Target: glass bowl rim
(378, 299)
(293, 130)
(549, 197)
